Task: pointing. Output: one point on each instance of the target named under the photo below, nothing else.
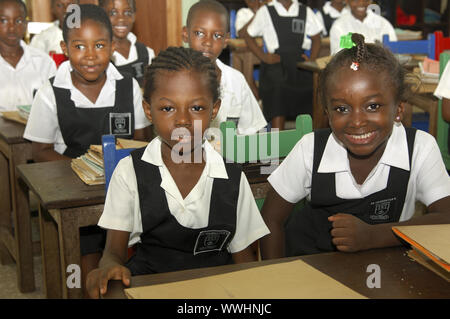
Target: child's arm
(269, 58)
(246, 255)
(45, 153)
(315, 46)
(351, 234)
(446, 109)
(275, 211)
(111, 265)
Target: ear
(147, 111)
(400, 112)
(64, 48)
(216, 108)
(185, 34)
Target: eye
(197, 108)
(19, 21)
(128, 13)
(99, 46)
(112, 13)
(373, 107)
(167, 108)
(199, 34)
(341, 109)
(80, 46)
(3, 21)
(218, 35)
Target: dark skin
(338, 4)
(359, 8)
(180, 98)
(89, 49)
(446, 110)
(364, 104)
(272, 58)
(13, 25)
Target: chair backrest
(261, 146)
(233, 24)
(443, 126)
(111, 156)
(427, 47)
(442, 44)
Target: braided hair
(373, 57)
(175, 59)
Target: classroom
(299, 149)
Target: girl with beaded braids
(364, 174)
(183, 211)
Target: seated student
(50, 39)
(362, 176)
(206, 31)
(87, 98)
(23, 69)
(362, 20)
(245, 15)
(330, 11)
(130, 56)
(285, 90)
(443, 92)
(172, 195)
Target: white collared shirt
(31, 72)
(428, 180)
(332, 12)
(443, 89)
(49, 39)
(122, 210)
(238, 101)
(243, 15)
(373, 27)
(120, 60)
(43, 125)
(262, 24)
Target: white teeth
(363, 136)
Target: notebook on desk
(288, 280)
(430, 246)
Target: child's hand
(350, 233)
(97, 280)
(272, 58)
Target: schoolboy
(329, 13)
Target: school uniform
(443, 90)
(373, 27)
(117, 110)
(19, 84)
(138, 58)
(49, 39)
(238, 102)
(410, 169)
(217, 218)
(243, 16)
(327, 15)
(285, 89)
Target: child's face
(59, 9)
(122, 17)
(13, 23)
(207, 33)
(89, 49)
(359, 8)
(179, 99)
(361, 108)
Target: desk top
(57, 186)
(11, 132)
(400, 276)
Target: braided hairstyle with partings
(176, 59)
(373, 57)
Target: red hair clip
(354, 66)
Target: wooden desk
(66, 204)
(15, 230)
(400, 276)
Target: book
(430, 246)
(89, 166)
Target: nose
(207, 40)
(358, 118)
(90, 53)
(183, 118)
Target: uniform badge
(138, 69)
(210, 240)
(298, 26)
(120, 123)
(381, 209)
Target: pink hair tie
(354, 66)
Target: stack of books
(429, 71)
(24, 111)
(89, 167)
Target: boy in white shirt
(331, 11)
(245, 15)
(362, 20)
(23, 69)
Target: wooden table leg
(5, 212)
(22, 221)
(51, 266)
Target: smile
(121, 28)
(361, 138)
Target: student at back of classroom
(364, 175)
(177, 199)
(23, 69)
(285, 90)
(363, 20)
(86, 99)
(330, 12)
(206, 31)
(130, 56)
(245, 15)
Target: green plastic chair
(443, 126)
(261, 147)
